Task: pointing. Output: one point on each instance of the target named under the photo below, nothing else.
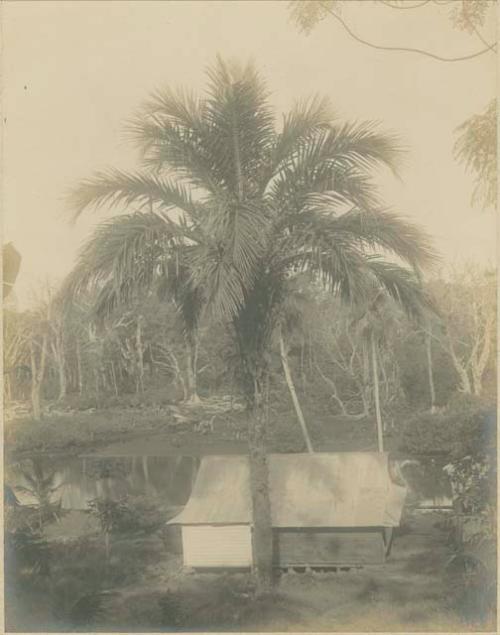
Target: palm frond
(402, 285)
(124, 256)
(338, 265)
(363, 146)
(183, 150)
(179, 108)
(304, 121)
(379, 230)
(219, 282)
(115, 187)
(241, 125)
(341, 159)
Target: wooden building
(327, 510)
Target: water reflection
(73, 482)
(77, 481)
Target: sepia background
(74, 73)
(295, 431)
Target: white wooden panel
(217, 546)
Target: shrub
(126, 515)
(460, 432)
(172, 612)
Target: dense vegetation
(139, 356)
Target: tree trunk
(107, 545)
(62, 378)
(430, 371)
(380, 436)
(302, 369)
(139, 354)
(37, 375)
(113, 376)
(461, 369)
(145, 469)
(96, 376)
(61, 367)
(479, 359)
(79, 367)
(8, 388)
(35, 401)
(191, 367)
(293, 393)
(365, 395)
(179, 379)
(262, 533)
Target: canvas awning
(348, 489)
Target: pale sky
(74, 72)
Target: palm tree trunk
(380, 436)
(191, 368)
(262, 533)
(430, 371)
(293, 393)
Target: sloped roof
(348, 489)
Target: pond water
(76, 481)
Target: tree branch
(404, 6)
(404, 49)
(492, 47)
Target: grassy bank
(142, 587)
(73, 433)
(76, 432)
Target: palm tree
(227, 208)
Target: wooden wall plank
(213, 546)
(315, 548)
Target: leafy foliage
(126, 515)
(476, 148)
(469, 16)
(27, 553)
(468, 431)
(306, 13)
